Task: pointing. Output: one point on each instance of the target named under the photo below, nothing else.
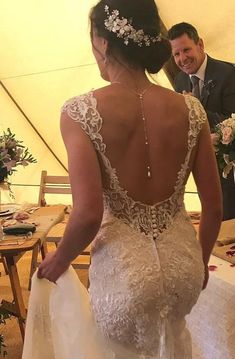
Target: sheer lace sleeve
(197, 117)
(83, 109)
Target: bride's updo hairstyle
(149, 54)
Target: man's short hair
(181, 29)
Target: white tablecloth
(212, 320)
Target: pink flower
(9, 165)
(227, 133)
(24, 163)
(230, 253)
(214, 138)
(212, 268)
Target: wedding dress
(145, 276)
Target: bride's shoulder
(82, 109)
(78, 103)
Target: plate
(8, 209)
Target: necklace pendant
(149, 174)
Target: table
(46, 217)
(212, 320)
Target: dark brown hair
(181, 29)
(144, 15)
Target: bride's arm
(86, 184)
(206, 177)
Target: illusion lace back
(147, 269)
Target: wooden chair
(3, 261)
(53, 185)
(57, 185)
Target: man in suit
(212, 82)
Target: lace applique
(140, 290)
(82, 109)
(150, 219)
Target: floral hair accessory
(124, 29)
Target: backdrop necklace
(146, 140)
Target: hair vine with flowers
(123, 28)
(224, 143)
(12, 153)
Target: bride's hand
(51, 267)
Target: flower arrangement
(224, 143)
(12, 154)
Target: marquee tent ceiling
(46, 58)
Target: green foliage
(4, 315)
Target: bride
(131, 146)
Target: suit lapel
(208, 82)
(204, 96)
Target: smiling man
(210, 80)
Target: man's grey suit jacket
(218, 92)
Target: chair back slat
(57, 180)
(52, 185)
(57, 190)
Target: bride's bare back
(167, 124)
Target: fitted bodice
(150, 219)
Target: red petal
(212, 268)
(230, 253)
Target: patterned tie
(195, 88)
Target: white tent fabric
(46, 58)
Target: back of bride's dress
(146, 272)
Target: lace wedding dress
(146, 272)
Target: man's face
(188, 55)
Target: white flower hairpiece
(124, 29)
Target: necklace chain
(146, 140)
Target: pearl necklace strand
(141, 96)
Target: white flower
(227, 135)
(123, 23)
(124, 29)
